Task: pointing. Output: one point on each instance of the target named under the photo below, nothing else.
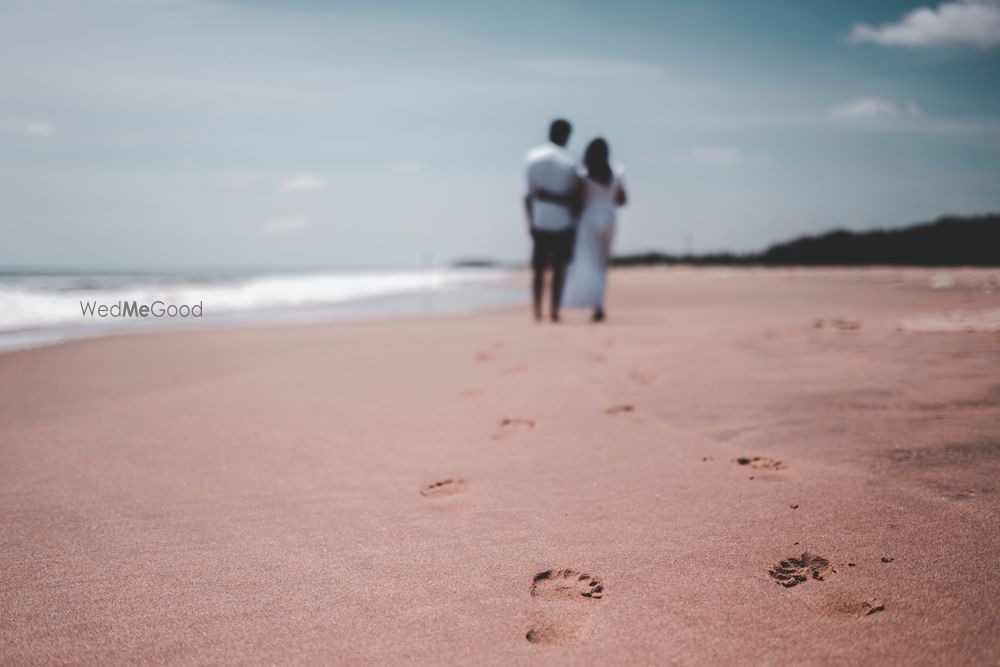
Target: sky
(225, 134)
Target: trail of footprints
(559, 587)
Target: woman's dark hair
(595, 160)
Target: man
(551, 202)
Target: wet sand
(740, 467)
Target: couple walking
(571, 218)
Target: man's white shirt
(551, 168)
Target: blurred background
(244, 136)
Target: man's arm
(545, 195)
(527, 211)
(576, 198)
(571, 200)
(529, 196)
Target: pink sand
(387, 492)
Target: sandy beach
(741, 467)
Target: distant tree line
(948, 241)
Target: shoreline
(468, 298)
(510, 292)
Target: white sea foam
(46, 302)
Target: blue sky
(224, 134)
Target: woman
(602, 191)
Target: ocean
(45, 308)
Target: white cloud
(711, 157)
(302, 183)
(284, 226)
(875, 108)
(966, 22)
(405, 166)
(38, 129)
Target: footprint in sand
(566, 598)
(510, 426)
(566, 585)
(809, 567)
(447, 487)
(761, 463)
(620, 409)
(490, 353)
(793, 571)
(841, 323)
(848, 609)
(642, 378)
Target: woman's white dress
(587, 277)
